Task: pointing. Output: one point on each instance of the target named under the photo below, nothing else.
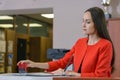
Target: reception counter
(46, 76)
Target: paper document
(41, 74)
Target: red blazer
(95, 59)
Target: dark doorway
(21, 49)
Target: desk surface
(30, 76)
(85, 78)
(45, 76)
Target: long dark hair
(99, 20)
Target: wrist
(77, 74)
(34, 64)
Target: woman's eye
(88, 22)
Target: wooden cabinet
(10, 51)
(7, 42)
(114, 31)
(2, 50)
(38, 50)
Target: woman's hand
(71, 73)
(28, 62)
(58, 71)
(67, 73)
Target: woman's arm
(34, 64)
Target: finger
(69, 72)
(21, 62)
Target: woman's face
(88, 24)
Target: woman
(93, 55)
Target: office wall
(67, 24)
(68, 15)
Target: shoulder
(105, 43)
(105, 47)
(81, 41)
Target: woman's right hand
(28, 62)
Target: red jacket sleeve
(61, 63)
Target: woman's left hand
(71, 73)
(58, 71)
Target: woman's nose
(83, 24)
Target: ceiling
(39, 17)
(32, 13)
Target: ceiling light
(48, 15)
(33, 25)
(6, 18)
(6, 25)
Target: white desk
(32, 76)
